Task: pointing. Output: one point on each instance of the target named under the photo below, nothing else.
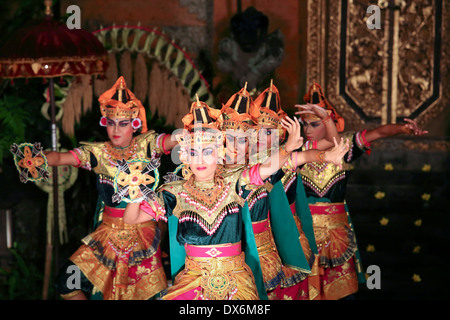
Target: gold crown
(267, 118)
(117, 112)
(237, 125)
(200, 136)
(197, 137)
(312, 116)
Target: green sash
(304, 214)
(285, 230)
(251, 253)
(177, 251)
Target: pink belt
(114, 212)
(213, 251)
(327, 208)
(260, 226)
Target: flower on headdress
(136, 123)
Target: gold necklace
(206, 192)
(121, 153)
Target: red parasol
(46, 49)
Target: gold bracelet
(320, 156)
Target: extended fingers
(304, 106)
(306, 111)
(288, 121)
(412, 125)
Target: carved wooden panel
(378, 76)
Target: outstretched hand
(413, 128)
(336, 154)
(293, 127)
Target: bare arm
(332, 134)
(389, 130)
(169, 142)
(334, 155)
(279, 157)
(55, 159)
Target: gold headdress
(202, 126)
(270, 112)
(315, 96)
(120, 102)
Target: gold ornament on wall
(379, 76)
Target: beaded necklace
(206, 193)
(117, 153)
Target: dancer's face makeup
(313, 130)
(236, 144)
(120, 132)
(202, 161)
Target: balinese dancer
(295, 269)
(238, 126)
(121, 261)
(240, 131)
(309, 286)
(338, 261)
(212, 227)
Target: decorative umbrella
(46, 48)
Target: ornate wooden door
(378, 76)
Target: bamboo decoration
(163, 76)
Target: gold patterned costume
(121, 261)
(337, 263)
(207, 221)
